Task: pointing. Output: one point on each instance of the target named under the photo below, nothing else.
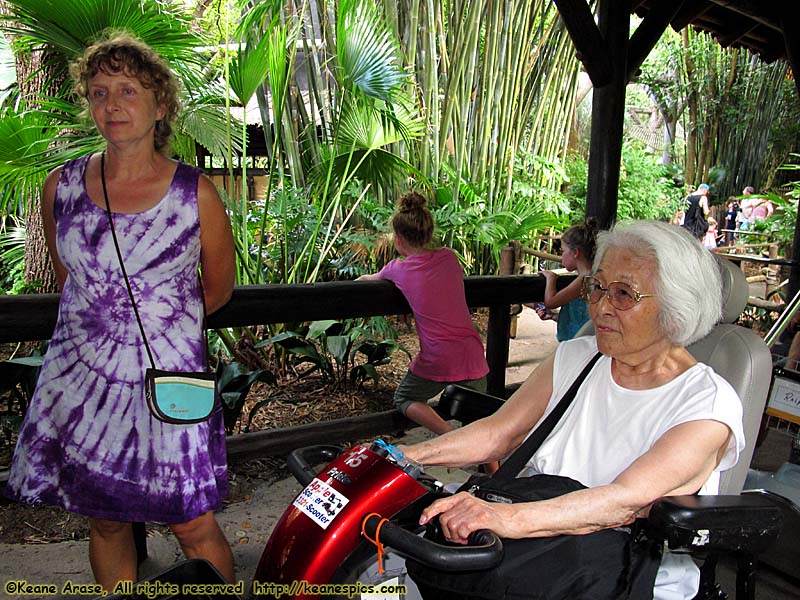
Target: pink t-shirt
(433, 283)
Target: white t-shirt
(607, 427)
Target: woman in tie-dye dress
(89, 443)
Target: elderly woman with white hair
(648, 420)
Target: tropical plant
(12, 255)
(234, 381)
(331, 348)
(48, 127)
(739, 115)
(647, 190)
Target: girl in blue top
(577, 253)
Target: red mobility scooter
(324, 544)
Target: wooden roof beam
(649, 32)
(692, 9)
(589, 43)
(735, 29)
(765, 13)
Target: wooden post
(497, 343)
(507, 259)
(772, 280)
(608, 112)
(515, 270)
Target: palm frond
(366, 51)
(363, 125)
(207, 125)
(379, 167)
(363, 138)
(278, 66)
(258, 16)
(66, 27)
(248, 69)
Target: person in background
(678, 218)
(731, 213)
(577, 253)
(432, 280)
(710, 239)
(697, 211)
(746, 204)
(761, 208)
(89, 443)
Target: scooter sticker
(320, 502)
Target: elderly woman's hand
(461, 514)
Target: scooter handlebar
(483, 551)
(301, 461)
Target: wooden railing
(33, 317)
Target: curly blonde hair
(120, 52)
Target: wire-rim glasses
(621, 295)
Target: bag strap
(125, 272)
(512, 466)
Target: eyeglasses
(621, 295)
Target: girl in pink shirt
(451, 351)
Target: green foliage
(69, 28)
(739, 114)
(477, 228)
(12, 256)
(366, 52)
(646, 189)
(234, 381)
(294, 243)
(342, 352)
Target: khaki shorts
(418, 389)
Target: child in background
(432, 280)
(710, 239)
(731, 212)
(577, 253)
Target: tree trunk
(32, 82)
(691, 125)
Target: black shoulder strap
(519, 458)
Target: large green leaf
(68, 26)
(207, 124)
(366, 51)
(337, 346)
(31, 144)
(364, 135)
(249, 68)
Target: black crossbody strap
(125, 273)
(121, 262)
(520, 457)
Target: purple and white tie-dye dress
(88, 442)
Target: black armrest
(466, 405)
(717, 523)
